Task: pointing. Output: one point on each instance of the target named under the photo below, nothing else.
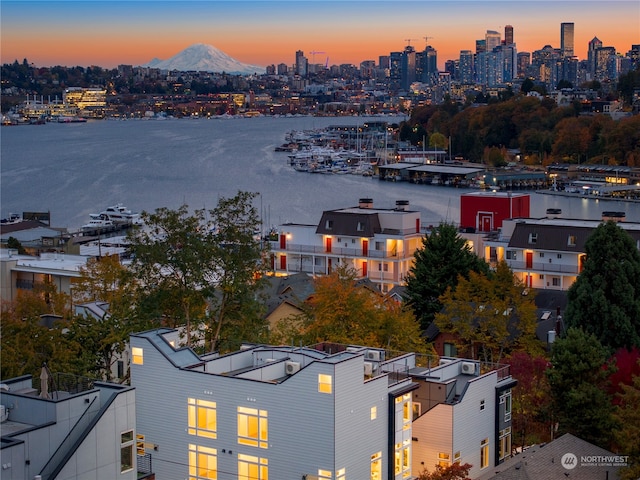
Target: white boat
(120, 214)
(97, 223)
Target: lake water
(73, 170)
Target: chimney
(402, 205)
(365, 203)
(614, 216)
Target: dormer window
(533, 238)
(360, 227)
(329, 224)
(571, 241)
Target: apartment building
(68, 428)
(322, 412)
(325, 411)
(548, 253)
(462, 413)
(378, 243)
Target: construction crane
(426, 39)
(409, 40)
(313, 57)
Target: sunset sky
(85, 32)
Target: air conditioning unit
(353, 349)
(468, 368)
(368, 368)
(291, 367)
(373, 355)
(444, 361)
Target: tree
(455, 471)
(342, 310)
(627, 437)
(605, 298)
(203, 267)
(578, 379)
(444, 256)
(490, 314)
(438, 140)
(531, 399)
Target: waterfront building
(90, 102)
(378, 243)
(566, 39)
(71, 428)
(547, 253)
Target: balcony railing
(544, 267)
(339, 251)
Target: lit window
(324, 383)
(202, 418)
(252, 468)
(203, 463)
(484, 453)
(374, 412)
(137, 356)
(140, 447)
(505, 443)
(376, 466)
(443, 459)
(456, 457)
(324, 474)
(417, 409)
(341, 474)
(126, 451)
(253, 427)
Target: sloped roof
(543, 462)
(363, 223)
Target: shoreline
(587, 197)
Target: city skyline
(263, 32)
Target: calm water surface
(73, 170)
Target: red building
(485, 211)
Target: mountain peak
(201, 57)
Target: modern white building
(75, 430)
(462, 414)
(378, 243)
(326, 411)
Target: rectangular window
(482, 404)
(140, 448)
(443, 459)
(450, 350)
(360, 227)
(456, 457)
(252, 468)
(137, 355)
(376, 466)
(325, 383)
(571, 241)
(541, 254)
(374, 412)
(484, 453)
(341, 474)
(324, 474)
(559, 255)
(120, 369)
(555, 281)
(253, 427)
(417, 409)
(504, 443)
(201, 418)
(533, 238)
(126, 451)
(507, 406)
(329, 224)
(203, 463)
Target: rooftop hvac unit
(444, 361)
(353, 349)
(373, 355)
(468, 368)
(291, 367)
(368, 368)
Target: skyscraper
(566, 39)
(493, 39)
(466, 67)
(508, 34)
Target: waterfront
(73, 170)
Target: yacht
(120, 214)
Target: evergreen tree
(578, 378)
(605, 298)
(443, 257)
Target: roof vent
(365, 203)
(402, 204)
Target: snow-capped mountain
(204, 58)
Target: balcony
(293, 248)
(544, 267)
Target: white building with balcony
(378, 243)
(548, 253)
